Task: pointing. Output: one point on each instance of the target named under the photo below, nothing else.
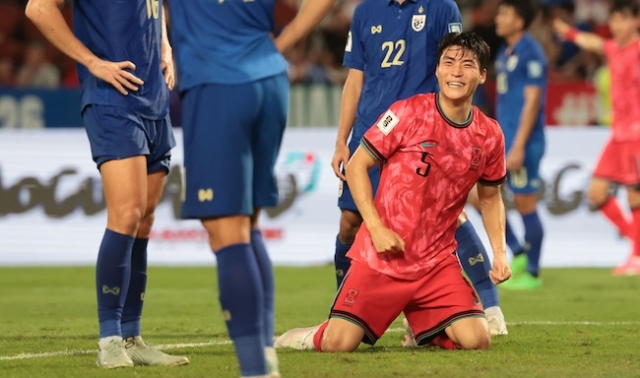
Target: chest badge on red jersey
(418, 21)
(476, 158)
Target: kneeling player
(433, 148)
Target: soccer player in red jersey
(433, 149)
(619, 162)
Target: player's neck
(626, 41)
(513, 39)
(455, 111)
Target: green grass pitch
(583, 323)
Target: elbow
(31, 11)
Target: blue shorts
(232, 136)
(526, 180)
(116, 134)
(345, 200)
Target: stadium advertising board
(52, 210)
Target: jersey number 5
(424, 170)
(390, 48)
(153, 10)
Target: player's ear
(483, 75)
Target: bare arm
(530, 111)
(384, 239)
(348, 108)
(309, 16)
(166, 63)
(493, 218)
(46, 15)
(584, 40)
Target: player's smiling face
(459, 73)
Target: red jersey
(624, 66)
(429, 166)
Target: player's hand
(168, 69)
(515, 159)
(386, 240)
(340, 160)
(500, 270)
(560, 27)
(116, 74)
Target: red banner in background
(568, 104)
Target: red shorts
(619, 162)
(373, 300)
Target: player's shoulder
(485, 122)
(532, 49)
(370, 6)
(443, 5)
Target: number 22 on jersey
(393, 53)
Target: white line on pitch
(24, 356)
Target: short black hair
(621, 6)
(469, 41)
(525, 9)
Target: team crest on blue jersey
(418, 22)
(512, 62)
(455, 27)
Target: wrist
(571, 34)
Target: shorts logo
(455, 27)
(387, 122)
(350, 298)
(349, 43)
(340, 188)
(418, 21)
(476, 158)
(477, 259)
(205, 195)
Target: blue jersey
(224, 41)
(119, 31)
(396, 48)
(525, 65)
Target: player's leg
(350, 221)
(525, 184)
(218, 170)
(446, 312)
(366, 304)
(267, 138)
(599, 193)
(632, 265)
(158, 163)
(476, 265)
(118, 146)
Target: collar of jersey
(449, 121)
(393, 1)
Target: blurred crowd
(27, 60)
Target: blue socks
(113, 272)
(341, 261)
(533, 235)
(512, 240)
(132, 311)
(243, 305)
(476, 264)
(266, 273)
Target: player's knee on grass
(341, 336)
(349, 225)
(470, 333)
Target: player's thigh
(607, 171)
(114, 133)
(267, 133)
(161, 142)
(632, 167)
(526, 180)
(218, 161)
(371, 300)
(444, 297)
(342, 336)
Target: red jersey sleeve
(609, 48)
(495, 170)
(387, 134)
